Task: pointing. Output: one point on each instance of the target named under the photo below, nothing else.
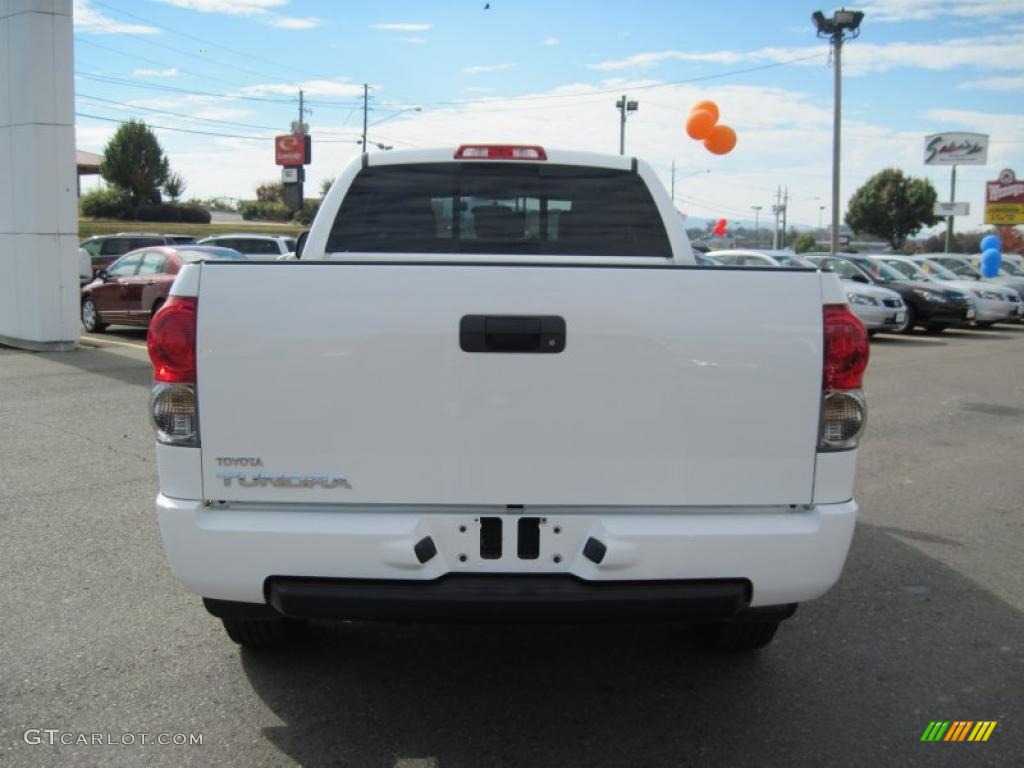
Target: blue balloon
(991, 242)
(990, 260)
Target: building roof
(87, 162)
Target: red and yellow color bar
(958, 730)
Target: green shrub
(169, 212)
(264, 211)
(110, 203)
(306, 213)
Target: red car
(131, 290)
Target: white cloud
(924, 10)
(994, 84)
(288, 22)
(169, 72)
(989, 52)
(222, 113)
(551, 41)
(311, 88)
(412, 40)
(478, 89)
(402, 27)
(88, 19)
(231, 7)
(481, 68)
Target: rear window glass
(210, 254)
(499, 208)
(254, 246)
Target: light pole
(626, 108)
(821, 214)
(757, 231)
(843, 25)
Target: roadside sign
(942, 210)
(290, 175)
(1004, 200)
(291, 149)
(956, 149)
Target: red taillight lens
(172, 341)
(846, 348)
(499, 152)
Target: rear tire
(935, 328)
(739, 636)
(984, 324)
(91, 317)
(260, 634)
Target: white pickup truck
(497, 386)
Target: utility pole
(776, 210)
(757, 233)
(949, 219)
(366, 90)
(626, 108)
(785, 205)
(843, 24)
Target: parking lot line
(111, 341)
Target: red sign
(290, 149)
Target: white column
(39, 293)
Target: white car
(992, 303)
(506, 391)
(741, 257)
(880, 309)
(84, 266)
(960, 265)
(254, 246)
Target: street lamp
(626, 108)
(821, 214)
(757, 233)
(844, 25)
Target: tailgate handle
(512, 333)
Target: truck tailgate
(347, 383)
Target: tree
(270, 192)
(175, 185)
(134, 161)
(804, 243)
(892, 206)
(325, 186)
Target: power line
(205, 76)
(219, 45)
(176, 114)
(210, 133)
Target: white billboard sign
(952, 209)
(956, 149)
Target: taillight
(843, 407)
(499, 152)
(172, 349)
(172, 341)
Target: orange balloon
(721, 140)
(700, 124)
(707, 106)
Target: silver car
(880, 309)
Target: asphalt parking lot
(926, 624)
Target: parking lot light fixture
(844, 25)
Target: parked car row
(898, 293)
(104, 249)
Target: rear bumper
(503, 598)
(240, 552)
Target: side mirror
(301, 243)
(860, 279)
(102, 275)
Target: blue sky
(550, 73)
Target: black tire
(91, 317)
(871, 334)
(909, 322)
(984, 324)
(734, 637)
(260, 634)
(935, 328)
